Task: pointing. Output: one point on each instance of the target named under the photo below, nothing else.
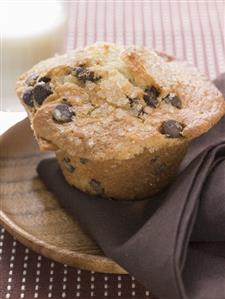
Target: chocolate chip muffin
(119, 119)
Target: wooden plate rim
(72, 258)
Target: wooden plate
(32, 214)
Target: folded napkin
(174, 243)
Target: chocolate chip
(158, 166)
(44, 79)
(153, 90)
(28, 97)
(96, 186)
(62, 113)
(83, 160)
(78, 70)
(132, 101)
(83, 74)
(41, 91)
(171, 128)
(31, 80)
(151, 96)
(68, 165)
(141, 112)
(174, 100)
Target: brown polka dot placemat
(25, 274)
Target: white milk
(30, 31)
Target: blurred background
(34, 30)
(30, 31)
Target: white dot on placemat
(77, 294)
(133, 285)
(9, 287)
(78, 286)
(119, 285)
(78, 278)
(35, 295)
(147, 293)
(21, 295)
(133, 293)
(92, 286)
(7, 295)
(105, 293)
(63, 294)
(92, 278)
(78, 271)
(64, 286)
(49, 295)
(119, 277)
(119, 293)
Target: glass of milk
(30, 31)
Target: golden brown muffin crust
(108, 87)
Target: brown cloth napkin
(173, 243)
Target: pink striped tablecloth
(192, 30)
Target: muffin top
(107, 101)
